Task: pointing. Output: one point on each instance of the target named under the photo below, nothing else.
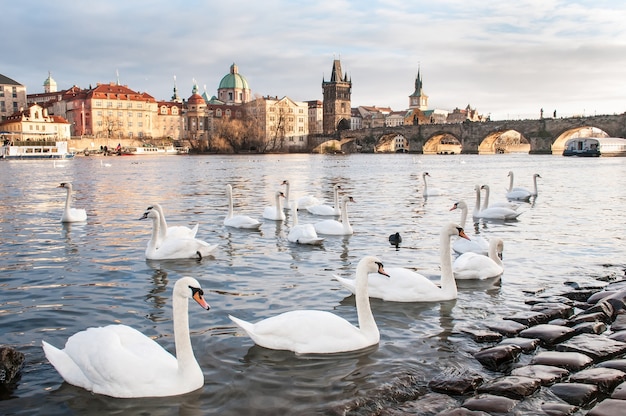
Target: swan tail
(246, 326)
(65, 366)
(194, 230)
(346, 283)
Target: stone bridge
(545, 136)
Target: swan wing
(242, 221)
(180, 248)
(323, 210)
(475, 266)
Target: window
(110, 113)
(130, 124)
(120, 114)
(98, 103)
(140, 115)
(119, 104)
(163, 110)
(175, 111)
(109, 104)
(139, 105)
(140, 124)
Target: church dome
(234, 80)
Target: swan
(303, 202)
(322, 209)
(119, 361)
(493, 213)
(104, 165)
(174, 231)
(477, 266)
(71, 214)
(321, 332)
(429, 192)
(302, 233)
(505, 204)
(170, 248)
(521, 194)
(478, 244)
(276, 212)
(238, 221)
(334, 227)
(405, 285)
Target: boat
(150, 150)
(595, 147)
(35, 149)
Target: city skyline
(507, 60)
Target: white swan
(478, 244)
(322, 209)
(303, 202)
(405, 285)
(275, 212)
(104, 165)
(119, 361)
(71, 214)
(334, 227)
(493, 213)
(170, 248)
(173, 231)
(477, 266)
(302, 233)
(238, 221)
(429, 192)
(504, 204)
(521, 194)
(321, 332)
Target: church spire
(418, 99)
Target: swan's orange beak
(462, 234)
(197, 296)
(381, 270)
(453, 207)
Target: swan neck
(162, 223)
(463, 215)
(295, 217)
(510, 181)
(230, 203)
(485, 202)
(448, 284)
(278, 206)
(344, 214)
(184, 351)
(493, 253)
(155, 239)
(67, 199)
(367, 324)
(477, 205)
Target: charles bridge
(544, 135)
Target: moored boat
(150, 150)
(595, 147)
(29, 149)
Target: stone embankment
(564, 355)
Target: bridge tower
(418, 100)
(337, 92)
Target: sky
(506, 59)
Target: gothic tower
(418, 99)
(337, 91)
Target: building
(373, 116)
(12, 96)
(337, 92)
(284, 122)
(395, 118)
(392, 143)
(356, 119)
(316, 117)
(418, 100)
(233, 88)
(36, 125)
(468, 114)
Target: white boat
(150, 150)
(29, 149)
(595, 147)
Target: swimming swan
(477, 266)
(493, 213)
(478, 244)
(334, 227)
(405, 285)
(173, 231)
(327, 209)
(429, 192)
(238, 221)
(521, 194)
(71, 214)
(303, 202)
(275, 213)
(321, 332)
(302, 233)
(170, 248)
(503, 204)
(119, 361)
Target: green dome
(234, 80)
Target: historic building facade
(35, 124)
(12, 96)
(337, 93)
(283, 121)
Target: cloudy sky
(504, 58)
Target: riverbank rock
(11, 362)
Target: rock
(593, 299)
(605, 378)
(558, 409)
(589, 328)
(499, 357)
(576, 393)
(553, 310)
(514, 387)
(616, 364)
(507, 328)
(481, 335)
(547, 374)
(460, 411)
(572, 361)
(11, 362)
(608, 407)
(456, 383)
(589, 317)
(548, 334)
(528, 318)
(490, 404)
(603, 307)
(549, 299)
(579, 295)
(527, 345)
(619, 324)
(599, 347)
(617, 300)
(618, 336)
(619, 392)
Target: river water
(59, 279)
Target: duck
(321, 332)
(170, 248)
(119, 361)
(71, 214)
(493, 213)
(519, 193)
(505, 204)
(173, 231)
(302, 233)
(303, 202)
(275, 212)
(334, 227)
(395, 239)
(477, 266)
(238, 221)
(429, 192)
(478, 244)
(405, 285)
(327, 210)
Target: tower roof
(234, 80)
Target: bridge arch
(584, 131)
(442, 143)
(504, 141)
